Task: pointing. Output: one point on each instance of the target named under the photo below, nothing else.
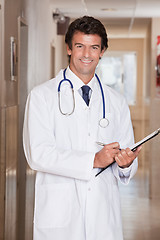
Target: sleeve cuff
(124, 172)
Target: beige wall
(154, 116)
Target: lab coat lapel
(96, 93)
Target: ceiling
(126, 13)
(109, 8)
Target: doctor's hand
(125, 157)
(106, 155)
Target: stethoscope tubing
(64, 79)
(102, 93)
(59, 102)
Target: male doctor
(70, 202)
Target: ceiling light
(109, 9)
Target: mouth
(85, 61)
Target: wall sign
(158, 68)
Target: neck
(85, 78)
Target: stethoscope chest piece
(104, 122)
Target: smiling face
(84, 55)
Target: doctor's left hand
(125, 157)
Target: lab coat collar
(78, 83)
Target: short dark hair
(87, 25)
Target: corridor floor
(140, 214)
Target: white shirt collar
(77, 82)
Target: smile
(86, 61)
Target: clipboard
(134, 146)
(147, 138)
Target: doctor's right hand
(106, 155)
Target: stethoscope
(104, 122)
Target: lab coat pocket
(53, 205)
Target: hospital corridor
(33, 51)
(140, 213)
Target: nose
(86, 52)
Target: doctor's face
(85, 54)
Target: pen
(103, 144)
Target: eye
(95, 47)
(79, 46)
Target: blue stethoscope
(104, 122)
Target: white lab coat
(70, 202)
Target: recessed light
(109, 9)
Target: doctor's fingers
(125, 157)
(114, 145)
(112, 152)
(137, 151)
(133, 154)
(126, 154)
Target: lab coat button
(89, 189)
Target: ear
(102, 52)
(69, 51)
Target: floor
(140, 214)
